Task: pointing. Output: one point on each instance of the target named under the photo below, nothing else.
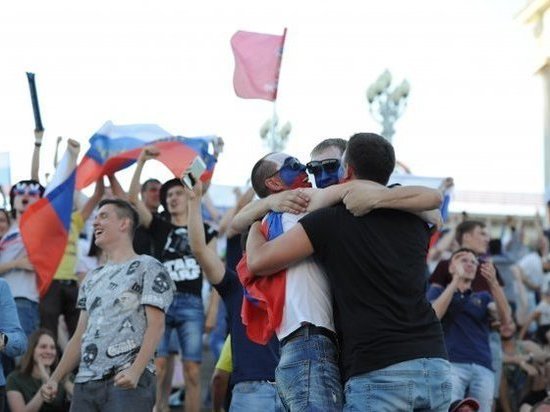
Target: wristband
(36, 144)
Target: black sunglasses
(291, 163)
(328, 165)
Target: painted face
(291, 172)
(324, 166)
(4, 223)
(25, 195)
(151, 196)
(176, 200)
(45, 351)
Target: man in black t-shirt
(186, 314)
(393, 353)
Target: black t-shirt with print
(172, 248)
(376, 265)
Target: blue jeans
(255, 396)
(495, 344)
(419, 384)
(474, 381)
(308, 378)
(29, 315)
(186, 317)
(104, 396)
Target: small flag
(257, 64)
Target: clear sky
(474, 113)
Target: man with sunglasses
(307, 330)
(15, 267)
(465, 317)
(375, 265)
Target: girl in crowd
(23, 385)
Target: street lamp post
(387, 104)
(274, 136)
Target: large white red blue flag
(257, 64)
(115, 147)
(45, 225)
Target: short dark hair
(468, 226)
(371, 156)
(463, 249)
(340, 144)
(147, 183)
(262, 170)
(123, 209)
(166, 186)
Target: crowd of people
(353, 295)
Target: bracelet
(37, 144)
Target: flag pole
(274, 120)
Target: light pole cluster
(387, 104)
(274, 136)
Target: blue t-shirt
(251, 362)
(466, 326)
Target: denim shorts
(186, 318)
(29, 315)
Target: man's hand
(289, 201)
(148, 153)
(362, 196)
(73, 146)
(48, 391)
(194, 194)
(488, 271)
(23, 263)
(127, 379)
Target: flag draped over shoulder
(264, 297)
(257, 64)
(115, 147)
(45, 224)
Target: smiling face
(108, 227)
(45, 351)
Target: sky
(474, 111)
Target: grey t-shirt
(114, 296)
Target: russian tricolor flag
(45, 225)
(114, 147)
(264, 297)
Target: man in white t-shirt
(308, 376)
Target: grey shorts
(103, 396)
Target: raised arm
(93, 200)
(290, 201)
(35, 165)
(207, 258)
(242, 200)
(266, 258)
(442, 302)
(116, 188)
(145, 215)
(488, 271)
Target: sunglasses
(291, 163)
(30, 190)
(315, 167)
